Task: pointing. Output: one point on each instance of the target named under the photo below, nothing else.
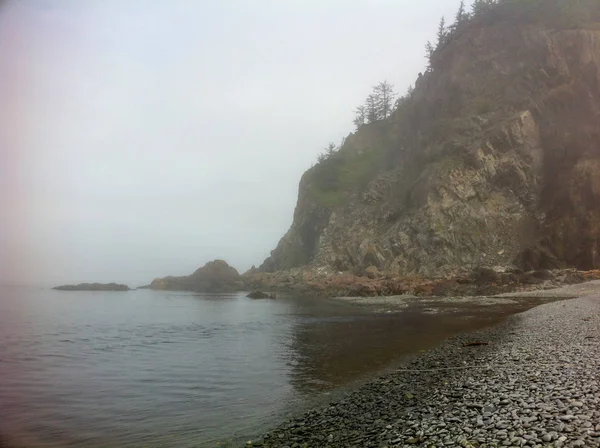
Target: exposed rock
(253, 270)
(94, 287)
(493, 162)
(479, 282)
(372, 272)
(260, 295)
(484, 275)
(214, 276)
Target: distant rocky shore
(93, 287)
(219, 277)
(372, 282)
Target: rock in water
(260, 295)
(214, 276)
(93, 287)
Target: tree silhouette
(371, 106)
(429, 50)
(331, 149)
(461, 15)
(384, 95)
(481, 6)
(442, 33)
(360, 117)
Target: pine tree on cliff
(429, 53)
(442, 33)
(360, 117)
(331, 149)
(461, 15)
(371, 106)
(384, 95)
(481, 6)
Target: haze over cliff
(492, 161)
(144, 138)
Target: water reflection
(333, 352)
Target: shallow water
(146, 368)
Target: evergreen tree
(481, 6)
(384, 95)
(429, 52)
(442, 33)
(331, 149)
(360, 116)
(461, 15)
(371, 106)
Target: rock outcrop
(492, 162)
(480, 282)
(93, 287)
(261, 295)
(214, 276)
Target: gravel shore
(532, 381)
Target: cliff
(493, 161)
(214, 276)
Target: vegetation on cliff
(492, 160)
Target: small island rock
(261, 295)
(93, 287)
(215, 277)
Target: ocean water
(147, 368)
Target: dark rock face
(260, 295)
(214, 276)
(93, 287)
(492, 162)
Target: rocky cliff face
(214, 276)
(493, 161)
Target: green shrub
(327, 198)
(336, 177)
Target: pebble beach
(533, 380)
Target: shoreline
(477, 283)
(430, 400)
(437, 303)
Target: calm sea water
(147, 368)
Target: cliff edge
(493, 161)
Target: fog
(144, 138)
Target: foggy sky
(141, 138)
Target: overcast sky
(141, 138)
